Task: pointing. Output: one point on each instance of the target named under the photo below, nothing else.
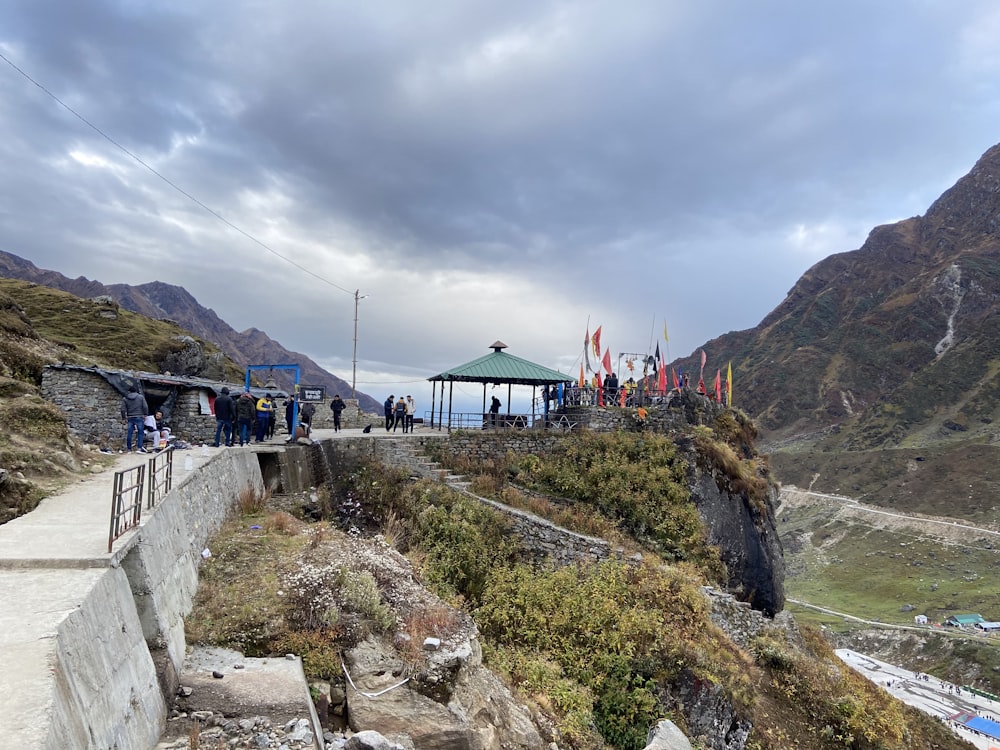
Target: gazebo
(497, 368)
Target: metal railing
(161, 476)
(130, 487)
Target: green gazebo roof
(500, 367)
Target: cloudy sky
(480, 170)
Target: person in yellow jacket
(265, 405)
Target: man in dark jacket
(225, 413)
(337, 405)
(307, 412)
(134, 411)
(246, 413)
(387, 410)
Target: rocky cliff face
(747, 538)
(165, 301)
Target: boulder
(666, 736)
(455, 704)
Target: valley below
(863, 573)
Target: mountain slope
(168, 302)
(894, 346)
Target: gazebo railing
(486, 421)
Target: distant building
(988, 627)
(920, 619)
(964, 621)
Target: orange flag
(621, 399)
(582, 382)
(596, 341)
(607, 361)
(662, 380)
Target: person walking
(411, 410)
(400, 414)
(246, 413)
(387, 410)
(134, 410)
(225, 410)
(337, 405)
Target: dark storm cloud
(519, 162)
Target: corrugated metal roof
(500, 367)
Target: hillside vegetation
(601, 651)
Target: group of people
(399, 412)
(238, 418)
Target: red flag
(673, 373)
(662, 380)
(600, 390)
(703, 358)
(718, 386)
(596, 341)
(701, 386)
(607, 361)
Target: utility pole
(354, 370)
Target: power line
(176, 187)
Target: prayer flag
(665, 337)
(662, 381)
(600, 389)
(718, 386)
(621, 397)
(586, 349)
(673, 373)
(656, 360)
(582, 382)
(607, 361)
(701, 386)
(703, 358)
(729, 384)
(596, 341)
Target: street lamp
(354, 370)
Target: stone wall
(91, 405)
(162, 561)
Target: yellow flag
(729, 384)
(665, 337)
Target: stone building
(91, 399)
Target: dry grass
(252, 502)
